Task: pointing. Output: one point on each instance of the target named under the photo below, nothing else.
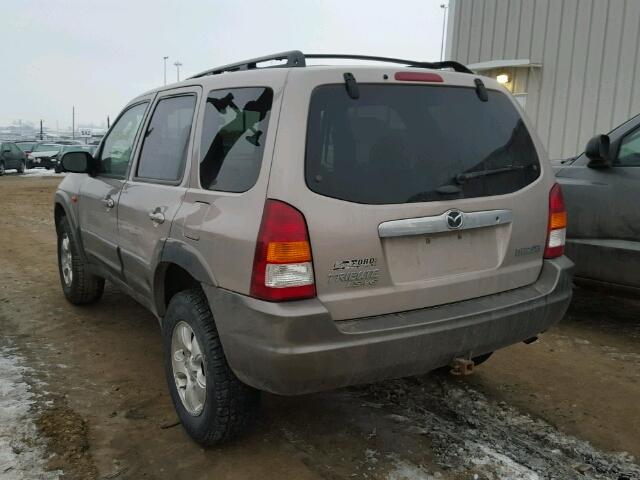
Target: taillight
(557, 226)
(282, 266)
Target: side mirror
(77, 162)
(597, 151)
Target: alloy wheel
(66, 260)
(187, 362)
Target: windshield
(76, 148)
(411, 143)
(25, 146)
(46, 147)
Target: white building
(572, 64)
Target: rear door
(99, 195)
(150, 200)
(415, 194)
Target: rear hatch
(415, 194)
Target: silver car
(297, 229)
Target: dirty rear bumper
(295, 347)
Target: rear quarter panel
(222, 226)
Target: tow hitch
(461, 366)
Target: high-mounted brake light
(557, 225)
(417, 77)
(282, 266)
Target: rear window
(25, 146)
(415, 143)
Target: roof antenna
(352, 85)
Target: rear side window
(166, 140)
(233, 136)
(415, 143)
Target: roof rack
(295, 58)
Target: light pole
(444, 7)
(178, 65)
(165, 69)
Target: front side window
(629, 153)
(414, 143)
(118, 146)
(233, 137)
(25, 147)
(166, 139)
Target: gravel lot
(82, 393)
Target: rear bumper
(295, 347)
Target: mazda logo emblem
(454, 219)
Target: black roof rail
(295, 58)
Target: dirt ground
(567, 406)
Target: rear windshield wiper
(463, 177)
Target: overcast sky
(98, 54)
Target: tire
(79, 286)
(220, 406)
(22, 168)
(2, 171)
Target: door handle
(156, 217)
(109, 202)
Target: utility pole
(41, 134)
(178, 65)
(108, 118)
(73, 122)
(444, 22)
(165, 69)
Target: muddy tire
(79, 286)
(213, 405)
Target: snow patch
(35, 172)
(408, 471)
(21, 453)
(503, 466)
(474, 437)
(41, 172)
